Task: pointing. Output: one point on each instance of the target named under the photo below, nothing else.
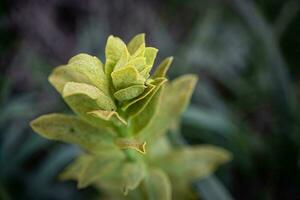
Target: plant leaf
(158, 185)
(133, 173)
(174, 99)
(136, 43)
(199, 161)
(150, 54)
(140, 103)
(139, 63)
(92, 68)
(146, 92)
(163, 67)
(159, 148)
(97, 167)
(71, 129)
(114, 49)
(123, 60)
(82, 104)
(81, 68)
(104, 102)
(62, 74)
(143, 118)
(129, 92)
(126, 77)
(146, 71)
(140, 52)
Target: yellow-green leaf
(146, 92)
(175, 97)
(158, 148)
(199, 161)
(133, 173)
(146, 71)
(129, 92)
(82, 105)
(114, 49)
(62, 75)
(70, 129)
(150, 54)
(136, 43)
(104, 102)
(123, 60)
(139, 63)
(142, 119)
(140, 52)
(99, 166)
(126, 77)
(163, 67)
(80, 68)
(92, 68)
(136, 108)
(158, 185)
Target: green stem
(130, 155)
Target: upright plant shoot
(122, 115)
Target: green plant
(123, 115)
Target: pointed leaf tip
(136, 42)
(163, 67)
(114, 49)
(150, 54)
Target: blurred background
(247, 56)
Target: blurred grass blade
(56, 161)
(211, 188)
(277, 65)
(32, 145)
(212, 120)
